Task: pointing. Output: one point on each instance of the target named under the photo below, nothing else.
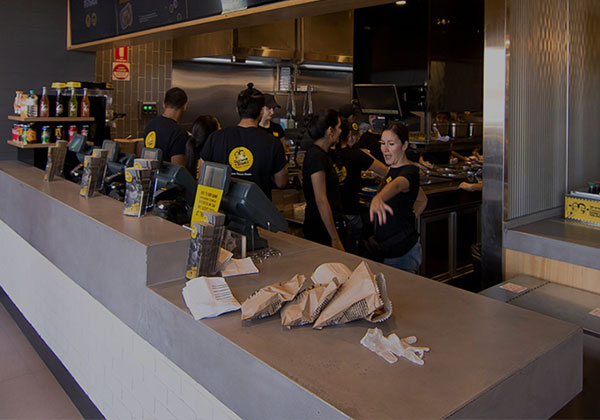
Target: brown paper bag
(359, 297)
(268, 300)
(326, 272)
(307, 306)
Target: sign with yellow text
(582, 210)
(207, 198)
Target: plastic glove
(392, 346)
(377, 343)
(404, 348)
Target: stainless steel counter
(557, 239)
(487, 358)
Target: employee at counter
(398, 203)
(348, 163)
(320, 182)
(202, 127)
(164, 132)
(248, 149)
(267, 114)
(370, 139)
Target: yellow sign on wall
(582, 210)
(207, 198)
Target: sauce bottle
(73, 104)
(59, 110)
(32, 104)
(85, 104)
(44, 104)
(18, 102)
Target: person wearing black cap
(248, 149)
(370, 140)
(267, 114)
(164, 132)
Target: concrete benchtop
(557, 239)
(487, 359)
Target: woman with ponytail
(202, 127)
(320, 181)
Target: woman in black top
(404, 200)
(202, 127)
(320, 183)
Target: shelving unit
(30, 145)
(50, 119)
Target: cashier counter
(487, 359)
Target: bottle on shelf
(73, 106)
(18, 102)
(85, 104)
(60, 109)
(44, 104)
(32, 104)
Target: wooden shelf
(50, 119)
(30, 145)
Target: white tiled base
(123, 374)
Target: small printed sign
(121, 71)
(207, 198)
(122, 55)
(515, 288)
(595, 312)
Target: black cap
(270, 101)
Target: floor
(28, 390)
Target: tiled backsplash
(151, 67)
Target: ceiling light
(401, 3)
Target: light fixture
(401, 3)
(311, 66)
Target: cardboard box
(585, 210)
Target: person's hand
(379, 208)
(337, 244)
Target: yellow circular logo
(355, 126)
(151, 140)
(137, 165)
(342, 172)
(194, 232)
(275, 133)
(241, 159)
(128, 177)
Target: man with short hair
(248, 149)
(164, 132)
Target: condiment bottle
(32, 104)
(59, 110)
(18, 101)
(44, 104)
(85, 104)
(73, 104)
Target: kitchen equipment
(458, 130)
(475, 129)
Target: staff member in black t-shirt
(404, 200)
(267, 114)
(249, 150)
(370, 140)
(348, 163)
(320, 181)
(164, 132)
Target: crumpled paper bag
(307, 306)
(325, 273)
(268, 300)
(362, 296)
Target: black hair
(250, 102)
(399, 129)
(202, 127)
(175, 98)
(345, 127)
(319, 123)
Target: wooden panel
(584, 278)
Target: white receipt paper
(238, 267)
(207, 297)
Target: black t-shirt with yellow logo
(275, 130)
(250, 151)
(348, 162)
(165, 134)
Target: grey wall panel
(584, 93)
(213, 89)
(536, 106)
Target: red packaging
(72, 131)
